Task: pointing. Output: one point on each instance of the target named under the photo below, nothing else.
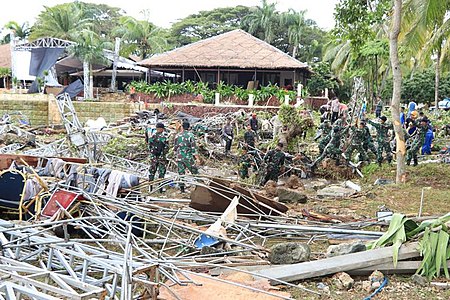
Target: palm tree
(20, 31)
(89, 48)
(61, 21)
(263, 19)
(140, 37)
(428, 28)
(296, 24)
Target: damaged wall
(42, 110)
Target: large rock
(341, 249)
(271, 188)
(343, 281)
(286, 195)
(293, 182)
(289, 253)
(335, 191)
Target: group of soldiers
(185, 151)
(337, 141)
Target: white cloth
(114, 181)
(335, 105)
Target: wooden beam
(340, 263)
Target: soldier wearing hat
(275, 163)
(185, 150)
(382, 139)
(417, 143)
(368, 141)
(158, 146)
(325, 135)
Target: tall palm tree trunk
(86, 79)
(294, 51)
(396, 93)
(437, 78)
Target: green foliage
(322, 78)
(420, 87)
(5, 72)
(206, 24)
(66, 20)
(162, 90)
(433, 244)
(355, 20)
(20, 31)
(140, 37)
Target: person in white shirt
(335, 108)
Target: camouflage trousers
(386, 147)
(330, 151)
(411, 154)
(323, 143)
(359, 149)
(243, 171)
(370, 146)
(272, 173)
(186, 163)
(157, 164)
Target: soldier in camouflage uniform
(368, 141)
(245, 162)
(382, 139)
(333, 148)
(325, 136)
(185, 150)
(417, 142)
(356, 143)
(275, 162)
(158, 145)
(250, 137)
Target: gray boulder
(289, 253)
(341, 249)
(286, 195)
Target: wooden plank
(341, 263)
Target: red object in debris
(64, 198)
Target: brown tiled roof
(5, 56)
(233, 49)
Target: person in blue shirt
(402, 116)
(429, 136)
(411, 107)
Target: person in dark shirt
(254, 123)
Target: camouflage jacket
(245, 160)
(275, 158)
(336, 135)
(358, 135)
(367, 135)
(326, 129)
(185, 146)
(382, 131)
(158, 144)
(250, 137)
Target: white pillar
(251, 99)
(116, 58)
(86, 79)
(286, 99)
(326, 92)
(299, 90)
(217, 99)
